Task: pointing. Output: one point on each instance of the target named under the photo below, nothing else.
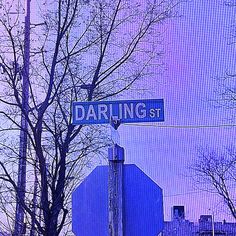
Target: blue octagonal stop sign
(142, 202)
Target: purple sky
(197, 51)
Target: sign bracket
(115, 122)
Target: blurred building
(179, 226)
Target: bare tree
(215, 171)
(225, 93)
(104, 46)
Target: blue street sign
(142, 204)
(127, 111)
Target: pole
(115, 190)
(213, 224)
(19, 228)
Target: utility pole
(213, 224)
(212, 221)
(19, 228)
